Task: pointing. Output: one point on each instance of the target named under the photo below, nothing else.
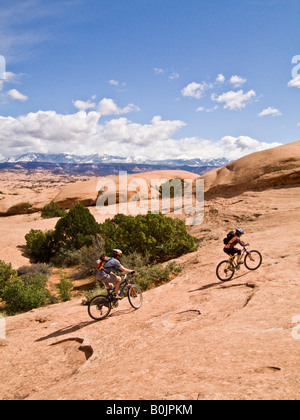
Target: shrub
(65, 258)
(65, 286)
(40, 245)
(24, 294)
(173, 188)
(72, 232)
(161, 237)
(6, 273)
(136, 261)
(89, 255)
(156, 275)
(75, 230)
(34, 269)
(37, 279)
(52, 210)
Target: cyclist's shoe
(118, 297)
(238, 266)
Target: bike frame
(233, 257)
(123, 285)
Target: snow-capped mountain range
(106, 159)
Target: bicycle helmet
(239, 231)
(117, 253)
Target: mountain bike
(227, 268)
(100, 306)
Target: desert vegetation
(52, 210)
(24, 289)
(149, 243)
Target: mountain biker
(106, 274)
(231, 249)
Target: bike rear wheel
(253, 260)
(99, 308)
(225, 270)
(135, 296)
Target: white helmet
(117, 253)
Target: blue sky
(153, 78)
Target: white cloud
(220, 78)
(82, 133)
(120, 86)
(10, 77)
(202, 109)
(114, 82)
(105, 107)
(195, 90)
(158, 71)
(190, 147)
(270, 111)
(294, 82)
(45, 131)
(237, 81)
(174, 76)
(236, 147)
(17, 96)
(234, 100)
(83, 106)
(108, 107)
(128, 133)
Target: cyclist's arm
(126, 270)
(242, 243)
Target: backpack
(228, 238)
(101, 262)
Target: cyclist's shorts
(107, 278)
(232, 251)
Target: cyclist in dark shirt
(231, 249)
(107, 276)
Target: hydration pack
(100, 263)
(228, 238)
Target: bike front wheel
(253, 260)
(135, 296)
(225, 270)
(99, 308)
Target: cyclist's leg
(104, 280)
(239, 256)
(230, 251)
(116, 281)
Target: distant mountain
(107, 159)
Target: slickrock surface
(194, 338)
